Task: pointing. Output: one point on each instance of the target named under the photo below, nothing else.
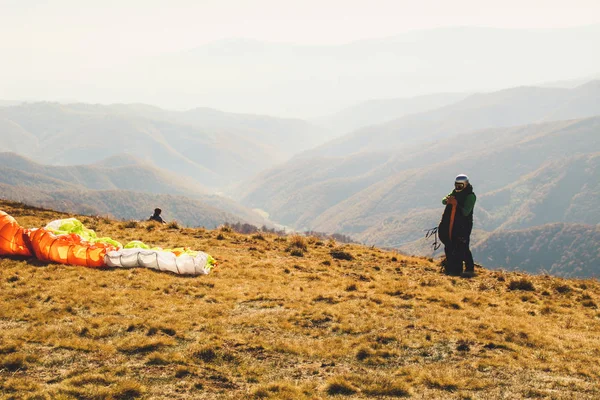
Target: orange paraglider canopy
(67, 241)
(68, 249)
(12, 237)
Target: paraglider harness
(433, 232)
(452, 266)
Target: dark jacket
(156, 218)
(463, 224)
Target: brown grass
(269, 325)
(298, 242)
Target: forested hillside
(565, 189)
(380, 185)
(568, 250)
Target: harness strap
(452, 214)
(433, 232)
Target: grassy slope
(265, 324)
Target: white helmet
(460, 182)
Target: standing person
(156, 216)
(456, 226)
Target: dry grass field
(288, 318)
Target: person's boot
(455, 268)
(469, 272)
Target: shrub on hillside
(244, 228)
(130, 225)
(173, 225)
(297, 253)
(341, 255)
(128, 389)
(297, 242)
(207, 353)
(590, 304)
(563, 288)
(13, 362)
(521, 284)
(340, 386)
(334, 236)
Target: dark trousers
(458, 252)
(468, 256)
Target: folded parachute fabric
(162, 260)
(68, 248)
(12, 237)
(67, 241)
(73, 226)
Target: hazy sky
(146, 26)
(71, 38)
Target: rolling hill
(505, 108)
(120, 186)
(378, 183)
(568, 250)
(496, 166)
(211, 147)
(313, 174)
(117, 172)
(564, 189)
(378, 111)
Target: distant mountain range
(121, 187)
(394, 209)
(505, 108)
(310, 190)
(378, 111)
(213, 148)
